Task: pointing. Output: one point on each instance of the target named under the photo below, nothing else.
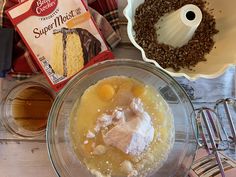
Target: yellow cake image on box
(72, 49)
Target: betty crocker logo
(44, 7)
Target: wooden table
(29, 158)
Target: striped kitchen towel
(23, 65)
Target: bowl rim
(58, 102)
(146, 59)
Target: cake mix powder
(61, 36)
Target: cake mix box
(61, 35)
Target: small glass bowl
(61, 153)
(7, 109)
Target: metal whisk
(210, 134)
(217, 134)
(225, 116)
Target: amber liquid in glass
(30, 108)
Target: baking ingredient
(134, 133)
(133, 108)
(30, 108)
(90, 135)
(62, 37)
(187, 56)
(99, 150)
(127, 167)
(106, 91)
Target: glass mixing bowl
(61, 153)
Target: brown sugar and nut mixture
(187, 56)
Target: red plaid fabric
(108, 9)
(22, 60)
(23, 63)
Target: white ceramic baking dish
(219, 58)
